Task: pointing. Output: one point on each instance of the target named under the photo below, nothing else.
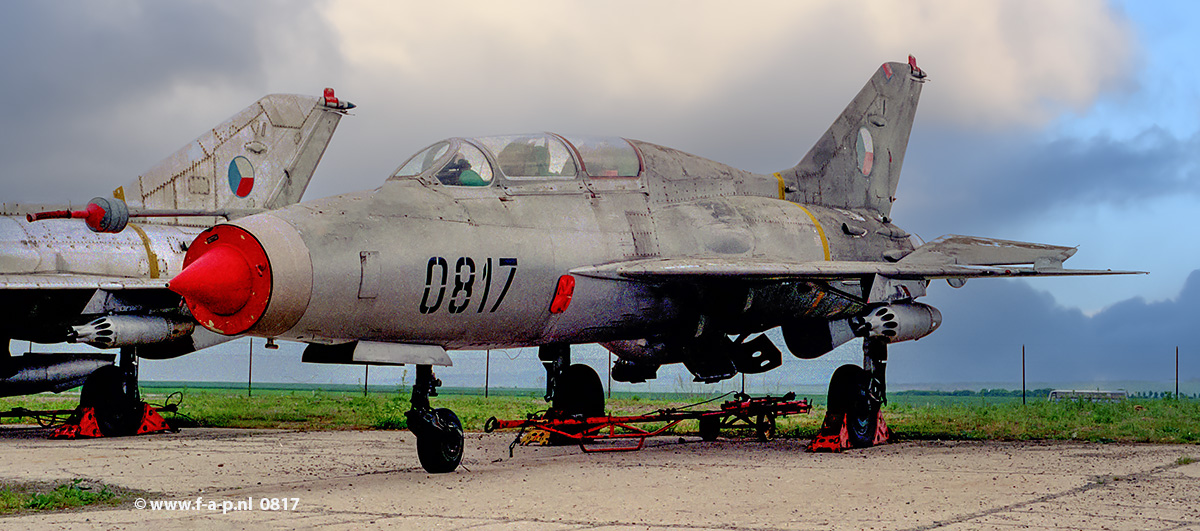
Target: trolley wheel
(117, 414)
(849, 394)
(764, 428)
(710, 427)
(440, 448)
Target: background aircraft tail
(261, 158)
(856, 163)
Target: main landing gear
(112, 392)
(574, 391)
(438, 431)
(855, 396)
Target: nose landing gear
(438, 431)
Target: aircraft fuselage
(418, 262)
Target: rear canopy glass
(606, 156)
(538, 156)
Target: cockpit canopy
(531, 157)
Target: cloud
(987, 323)
(977, 181)
(749, 84)
(118, 86)
(989, 57)
(96, 93)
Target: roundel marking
(865, 149)
(241, 176)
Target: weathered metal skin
(420, 261)
(68, 247)
(407, 225)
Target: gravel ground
(354, 479)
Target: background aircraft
(659, 255)
(103, 281)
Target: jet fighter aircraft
(103, 282)
(661, 256)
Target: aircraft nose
(226, 279)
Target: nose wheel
(439, 433)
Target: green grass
(912, 416)
(1158, 421)
(30, 497)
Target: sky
(1068, 122)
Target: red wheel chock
(87, 427)
(834, 438)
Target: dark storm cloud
(119, 53)
(978, 181)
(987, 322)
(80, 78)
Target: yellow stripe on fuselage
(820, 229)
(779, 178)
(150, 256)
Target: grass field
(911, 415)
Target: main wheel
(710, 427)
(579, 392)
(849, 394)
(440, 449)
(117, 414)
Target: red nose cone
(218, 280)
(226, 279)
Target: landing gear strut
(438, 431)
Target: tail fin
(856, 163)
(261, 158)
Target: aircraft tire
(441, 450)
(104, 391)
(710, 428)
(848, 394)
(579, 392)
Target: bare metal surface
(351, 480)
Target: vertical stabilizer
(856, 163)
(261, 158)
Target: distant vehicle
(1091, 396)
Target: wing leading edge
(949, 257)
